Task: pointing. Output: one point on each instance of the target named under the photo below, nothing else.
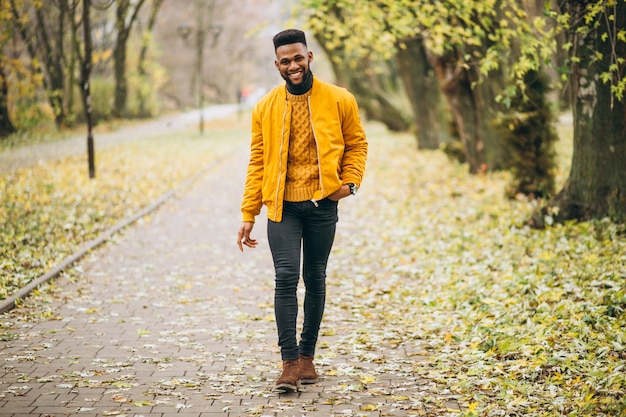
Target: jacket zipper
(280, 159)
(317, 148)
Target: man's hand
(244, 236)
(343, 192)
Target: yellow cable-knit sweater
(302, 168)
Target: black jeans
(309, 230)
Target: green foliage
(529, 138)
(143, 89)
(598, 18)
(143, 92)
(446, 25)
(27, 109)
(102, 93)
(143, 100)
(40, 133)
(30, 113)
(487, 34)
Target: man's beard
(303, 87)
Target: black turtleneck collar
(303, 87)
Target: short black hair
(289, 36)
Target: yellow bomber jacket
(339, 137)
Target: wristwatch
(353, 188)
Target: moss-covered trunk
(596, 187)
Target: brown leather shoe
(288, 381)
(307, 370)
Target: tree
(596, 186)
(43, 27)
(468, 41)
(530, 138)
(465, 43)
(477, 54)
(85, 80)
(367, 72)
(125, 17)
(470, 46)
(6, 126)
(420, 84)
(142, 64)
(467, 107)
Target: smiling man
(308, 151)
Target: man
(308, 151)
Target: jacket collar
(315, 86)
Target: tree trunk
(374, 104)
(121, 82)
(123, 26)
(529, 136)
(422, 90)
(85, 79)
(141, 65)
(455, 83)
(596, 187)
(119, 62)
(377, 106)
(71, 66)
(474, 110)
(53, 58)
(6, 126)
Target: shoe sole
(309, 381)
(286, 388)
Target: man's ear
(276, 64)
(310, 56)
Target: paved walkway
(171, 319)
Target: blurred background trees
(142, 66)
(481, 80)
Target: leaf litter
(440, 303)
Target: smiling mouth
(296, 74)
